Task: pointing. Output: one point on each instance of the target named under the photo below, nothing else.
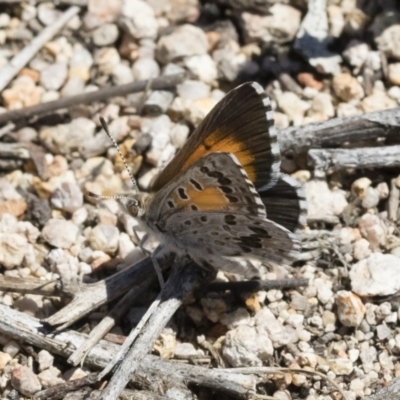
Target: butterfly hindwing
(215, 238)
(241, 124)
(286, 203)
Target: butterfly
(223, 199)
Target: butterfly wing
(286, 203)
(218, 237)
(215, 182)
(213, 211)
(241, 124)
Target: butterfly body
(206, 202)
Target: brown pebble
(213, 39)
(307, 79)
(14, 207)
(25, 381)
(35, 75)
(217, 331)
(252, 303)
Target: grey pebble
(122, 74)
(192, 90)
(186, 40)
(53, 76)
(68, 197)
(60, 233)
(74, 86)
(145, 68)
(158, 102)
(139, 19)
(142, 143)
(104, 237)
(105, 35)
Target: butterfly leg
(152, 256)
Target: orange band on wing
(209, 199)
(219, 142)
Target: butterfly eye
(133, 208)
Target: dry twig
(24, 328)
(161, 83)
(91, 296)
(180, 284)
(11, 69)
(358, 158)
(339, 131)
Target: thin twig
(59, 391)
(161, 83)
(33, 286)
(255, 286)
(108, 322)
(180, 283)
(338, 131)
(363, 157)
(91, 296)
(132, 337)
(11, 69)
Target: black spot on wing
(250, 241)
(245, 249)
(232, 199)
(203, 218)
(215, 174)
(182, 194)
(196, 184)
(230, 219)
(224, 181)
(226, 189)
(261, 232)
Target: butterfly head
(134, 204)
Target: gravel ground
(331, 59)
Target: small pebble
(104, 237)
(191, 39)
(105, 35)
(60, 233)
(377, 275)
(351, 310)
(25, 381)
(45, 360)
(347, 87)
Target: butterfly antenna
(99, 196)
(105, 127)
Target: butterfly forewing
(215, 182)
(241, 124)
